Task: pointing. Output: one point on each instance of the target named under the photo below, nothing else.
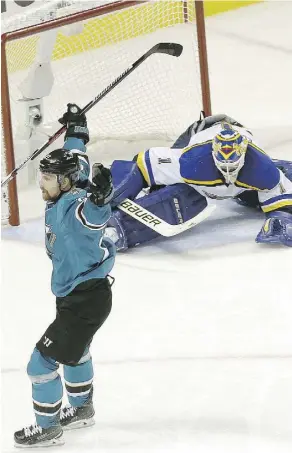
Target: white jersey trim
(80, 216)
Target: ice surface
(196, 355)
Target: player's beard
(49, 197)
(45, 195)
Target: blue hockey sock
(47, 390)
(78, 381)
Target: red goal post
(107, 9)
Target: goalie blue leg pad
(127, 180)
(175, 204)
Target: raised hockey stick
(167, 48)
(157, 224)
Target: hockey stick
(167, 48)
(157, 224)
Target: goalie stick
(172, 49)
(157, 224)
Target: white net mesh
(156, 102)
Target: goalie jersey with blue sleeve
(195, 166)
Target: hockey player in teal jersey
(77, 211)
(216, 158)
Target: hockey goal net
(69, 51)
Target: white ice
(196, 355)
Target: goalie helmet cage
(7, 131)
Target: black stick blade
(170, 48)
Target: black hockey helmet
(61, 162)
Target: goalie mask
(229, 148)
(58, 171)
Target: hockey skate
(77, 417)
(35, 436)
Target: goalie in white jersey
(216, 158)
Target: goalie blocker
(174, 204)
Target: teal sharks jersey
(74, 228)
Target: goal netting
(74, 62)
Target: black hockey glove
(75, 123)
(101, 187)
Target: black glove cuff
(81, 132)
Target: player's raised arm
(76, 138)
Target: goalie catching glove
(75, 123)
(101, 187)
(277, 229)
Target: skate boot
(78, 417)
(36, 436)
